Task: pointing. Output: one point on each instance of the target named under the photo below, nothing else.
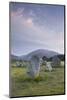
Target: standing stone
(55, 62)
(48, 66)
(17, 64)
(34, 67)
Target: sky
(36, 26)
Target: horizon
(36, 50)
(36, 26)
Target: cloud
(18, 12)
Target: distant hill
(40, 53)
(60, 56)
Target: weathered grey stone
(55, 62)
(17, 64)
(48, 66)
(33, 66)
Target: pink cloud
(29, 22)
(17, 13)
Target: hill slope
(40, 53)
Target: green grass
(48, 83)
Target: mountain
(61, 57)
(40, 53)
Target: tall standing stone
(34, 66)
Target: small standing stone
(55, 62)
(48, 66)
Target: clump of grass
(37, 78)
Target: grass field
(49, 83)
